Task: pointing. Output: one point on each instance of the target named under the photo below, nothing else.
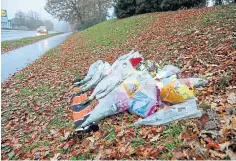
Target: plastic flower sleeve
(176, 92)
(187, 109)
(99, 75)
(121, 58)
(142, 90)
(125, 58)
(92, 70)
(117, 76)
(167, 71)
(117, 101)
(194, 81)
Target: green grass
(111, 136)
(173, 131)
(45, 94)
(219, 15)
(114, 32)
(204, 106)
(14, 44)
(21, 76)
(36, 145)
(137, 142)
(82, 157)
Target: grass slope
(14, 44)
(36, 113)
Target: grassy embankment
(35, 105)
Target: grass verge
(14, 44)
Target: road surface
(18, 34)
(18, 59)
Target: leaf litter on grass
(199, 41)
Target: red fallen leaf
(108, 151)
(66, 146)
(184, 135)
(178, 154)
(15, 141)
(4, 140)
(223, 140)
(34, 134)
(71, 142)
(28, 155)
(74, 152)
(28, 140)
(48, 110)
(4, 157)
(38, 103)
(36, 108)
(210, 90)
(154, 153)
(208, 140)
(145, 152)
(18, 150)
(39, 149)
(213, 145)
(204, 119)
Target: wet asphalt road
(18, 59)
(17, 34)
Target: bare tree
(33, 20)
(33, 15)
(49, 24)
(20, 18)
(77, 11)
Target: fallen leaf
(98, 156)
(204, 119)
(178, 154)
(108, 151)
(131, 150)
(224, 146)
(233, 122)
(217, 154)
(39, 149)
(55, 157)
(155, 138)
(213, 145)
(231, 154)
(28, 140)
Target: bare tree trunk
(77, 11)
(100, 9)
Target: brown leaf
(18, 150)
(208, 140)
(108, 151)
(217, 154)
(28, 140)
(204, 119)
(233, 122)
(15, 141)
(55, 157)
(39, 149)
(131, 150)
(231, 154)
(213, 145)
(98, 156)
(184, 135)
(178, 154)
